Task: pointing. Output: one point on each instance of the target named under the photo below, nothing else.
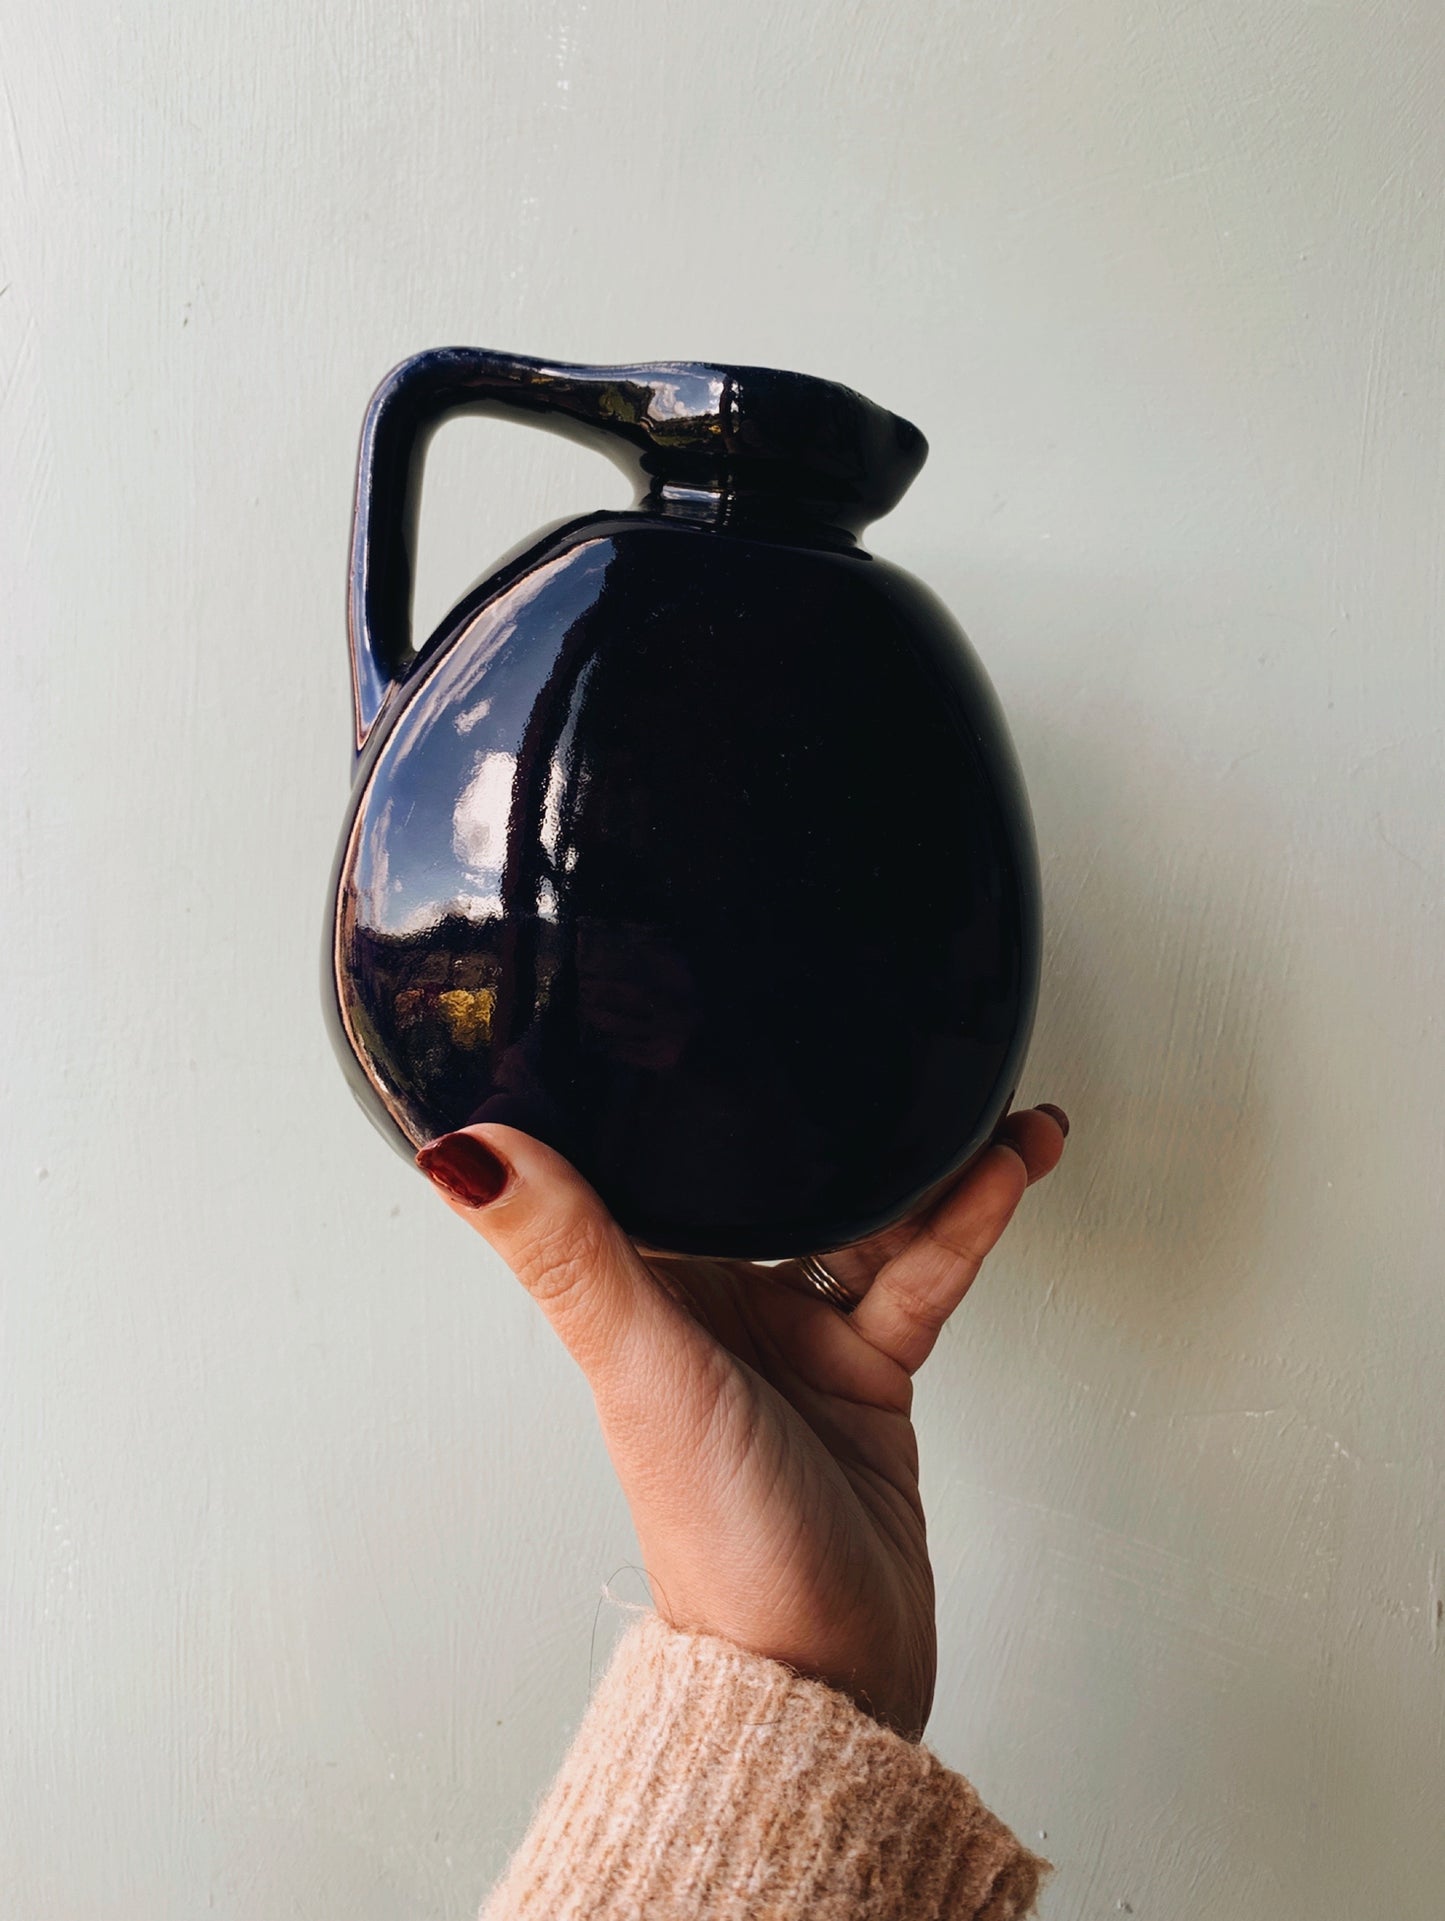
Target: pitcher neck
(749, 512)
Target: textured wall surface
(303, 1525)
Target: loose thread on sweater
(634, 1608)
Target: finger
(553, 1231)
(1036, 1134)
(906, 1307)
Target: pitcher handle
(599, 406)
(405, 411)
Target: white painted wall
(304, 1521)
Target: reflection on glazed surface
(705, 860)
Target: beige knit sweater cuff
(709, 1782)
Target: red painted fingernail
(1056, 1113)
(465, 1168)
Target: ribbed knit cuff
(708, 1782)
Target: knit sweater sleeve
(710, 1784)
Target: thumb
(553, 1231)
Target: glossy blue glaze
(692, 841)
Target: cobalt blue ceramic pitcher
(692, 841)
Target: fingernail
(1058, 1114)
(465, 1168)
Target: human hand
(762, 1437)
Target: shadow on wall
(1163, 1014)
(1167, 1553)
